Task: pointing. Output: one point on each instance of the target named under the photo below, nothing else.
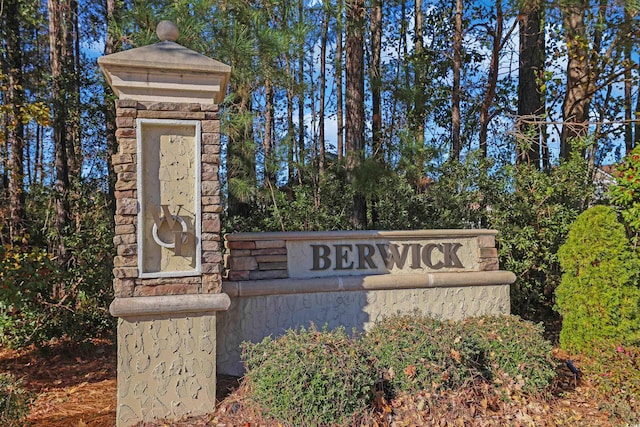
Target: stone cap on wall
(342, 234)
(169, 305)
(254, 288)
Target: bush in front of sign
(415, 352)
(309, 377)
(514, 347)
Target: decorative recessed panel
(169, 198)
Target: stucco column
(167, 271)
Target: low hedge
(309, 377)
(316, 378)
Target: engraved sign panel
(169, 198)
(325, 258)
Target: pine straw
(75, 384)
(90, 404)
(77, 388)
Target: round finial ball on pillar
(167, 31)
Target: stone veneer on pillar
(167, 271)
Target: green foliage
(598, 297)
(14, 401)
(533, 216)
(25, 113)
(515, 347)
(414, 353)
(463, 191)
(402, 207)
(625, 194)
(531, 209)
(309, 377)
(42, 298)
(25, 306)
(297, 208)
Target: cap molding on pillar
(166, 72)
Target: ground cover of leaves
(76, 386)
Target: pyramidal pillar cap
(166, 72)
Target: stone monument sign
(284, 280)
(179, 322)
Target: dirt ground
(76, 386)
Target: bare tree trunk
(399, 64)
(301, 93)
(314, 171)
(338, 79)
(492, 79)
(636, 133)
(577, 99)
(375, 28)
(290, 126)
(628, 103)
(404, 25)
(323, 87)
(628, 108)
(72, 73)
(456, 146)
(374, 70)
(355, 103)
(4, 189)
(597, 134)
(531, 67)
(267, 139)
(419, 107)
(15, 129)
(57, 47)
(109, 107)
(39, 167)
(34, 176)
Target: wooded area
(340, 114)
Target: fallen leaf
(410, 371)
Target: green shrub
(313, 378)
(26, 309)
(534, 216)
(515, 347)
(43, 296)
(625, 194)
(14, 402)
(598, 297)
(309, 377)
(414, 352)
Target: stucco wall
(255, 317)
(166, 367)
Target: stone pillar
(167, 271)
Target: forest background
(341, 114)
